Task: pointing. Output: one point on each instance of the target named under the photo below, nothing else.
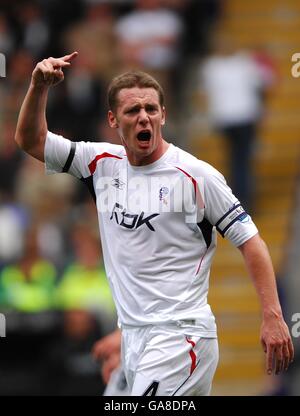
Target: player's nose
(143, 116)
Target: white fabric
(162, 361)
(232, 85)
(157, 262)
(117, 385)
(159, 30)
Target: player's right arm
(31, 130)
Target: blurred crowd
(53, 289)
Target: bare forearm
(32, 125)
(259, 265)
(31, 128)
(275, 337)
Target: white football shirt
(158, 228)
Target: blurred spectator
(84, 285)
(84, 296)
(35, 36)
(6, 36)
(82, 94)
(13, 220)
(28, 285)
(199, 18)
(49, 204)
(233, 81)
(93, 37)
(71, 369)
(150, 39)
(150, 36)
(10, 162)
(11, 93)
(27, 301)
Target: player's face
(139, 118)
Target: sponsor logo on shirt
(117, 183)
(131, 221)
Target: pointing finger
(58, 62)
(70, 57)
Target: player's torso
(148, 223)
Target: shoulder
(89, 154)
(56, 140)
(194, 166)
(104, 148)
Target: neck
(140, 160)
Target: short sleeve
(223, 210)
(57, 149)
(63, 155)
(77, 158)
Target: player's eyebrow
(132, 107)
(151, 106)
(148, 106)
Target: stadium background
(53, 299)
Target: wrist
(39, 87)
(272, 313)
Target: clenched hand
(49, 72)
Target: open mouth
(144, 136)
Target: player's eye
(134, 110)
(151, 109)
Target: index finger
(270, 358)
(70, 57)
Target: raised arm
(31, 127)
(275, 336)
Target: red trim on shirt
(201, 262)
(199, 199)
(93, 164)
(192, 355)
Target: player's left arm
(275, 336)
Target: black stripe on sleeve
(70, 157)
(239, 218)
(227, 213)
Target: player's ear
(112, 120)
(163, 120)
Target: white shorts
(117, 385)
(164, 361)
